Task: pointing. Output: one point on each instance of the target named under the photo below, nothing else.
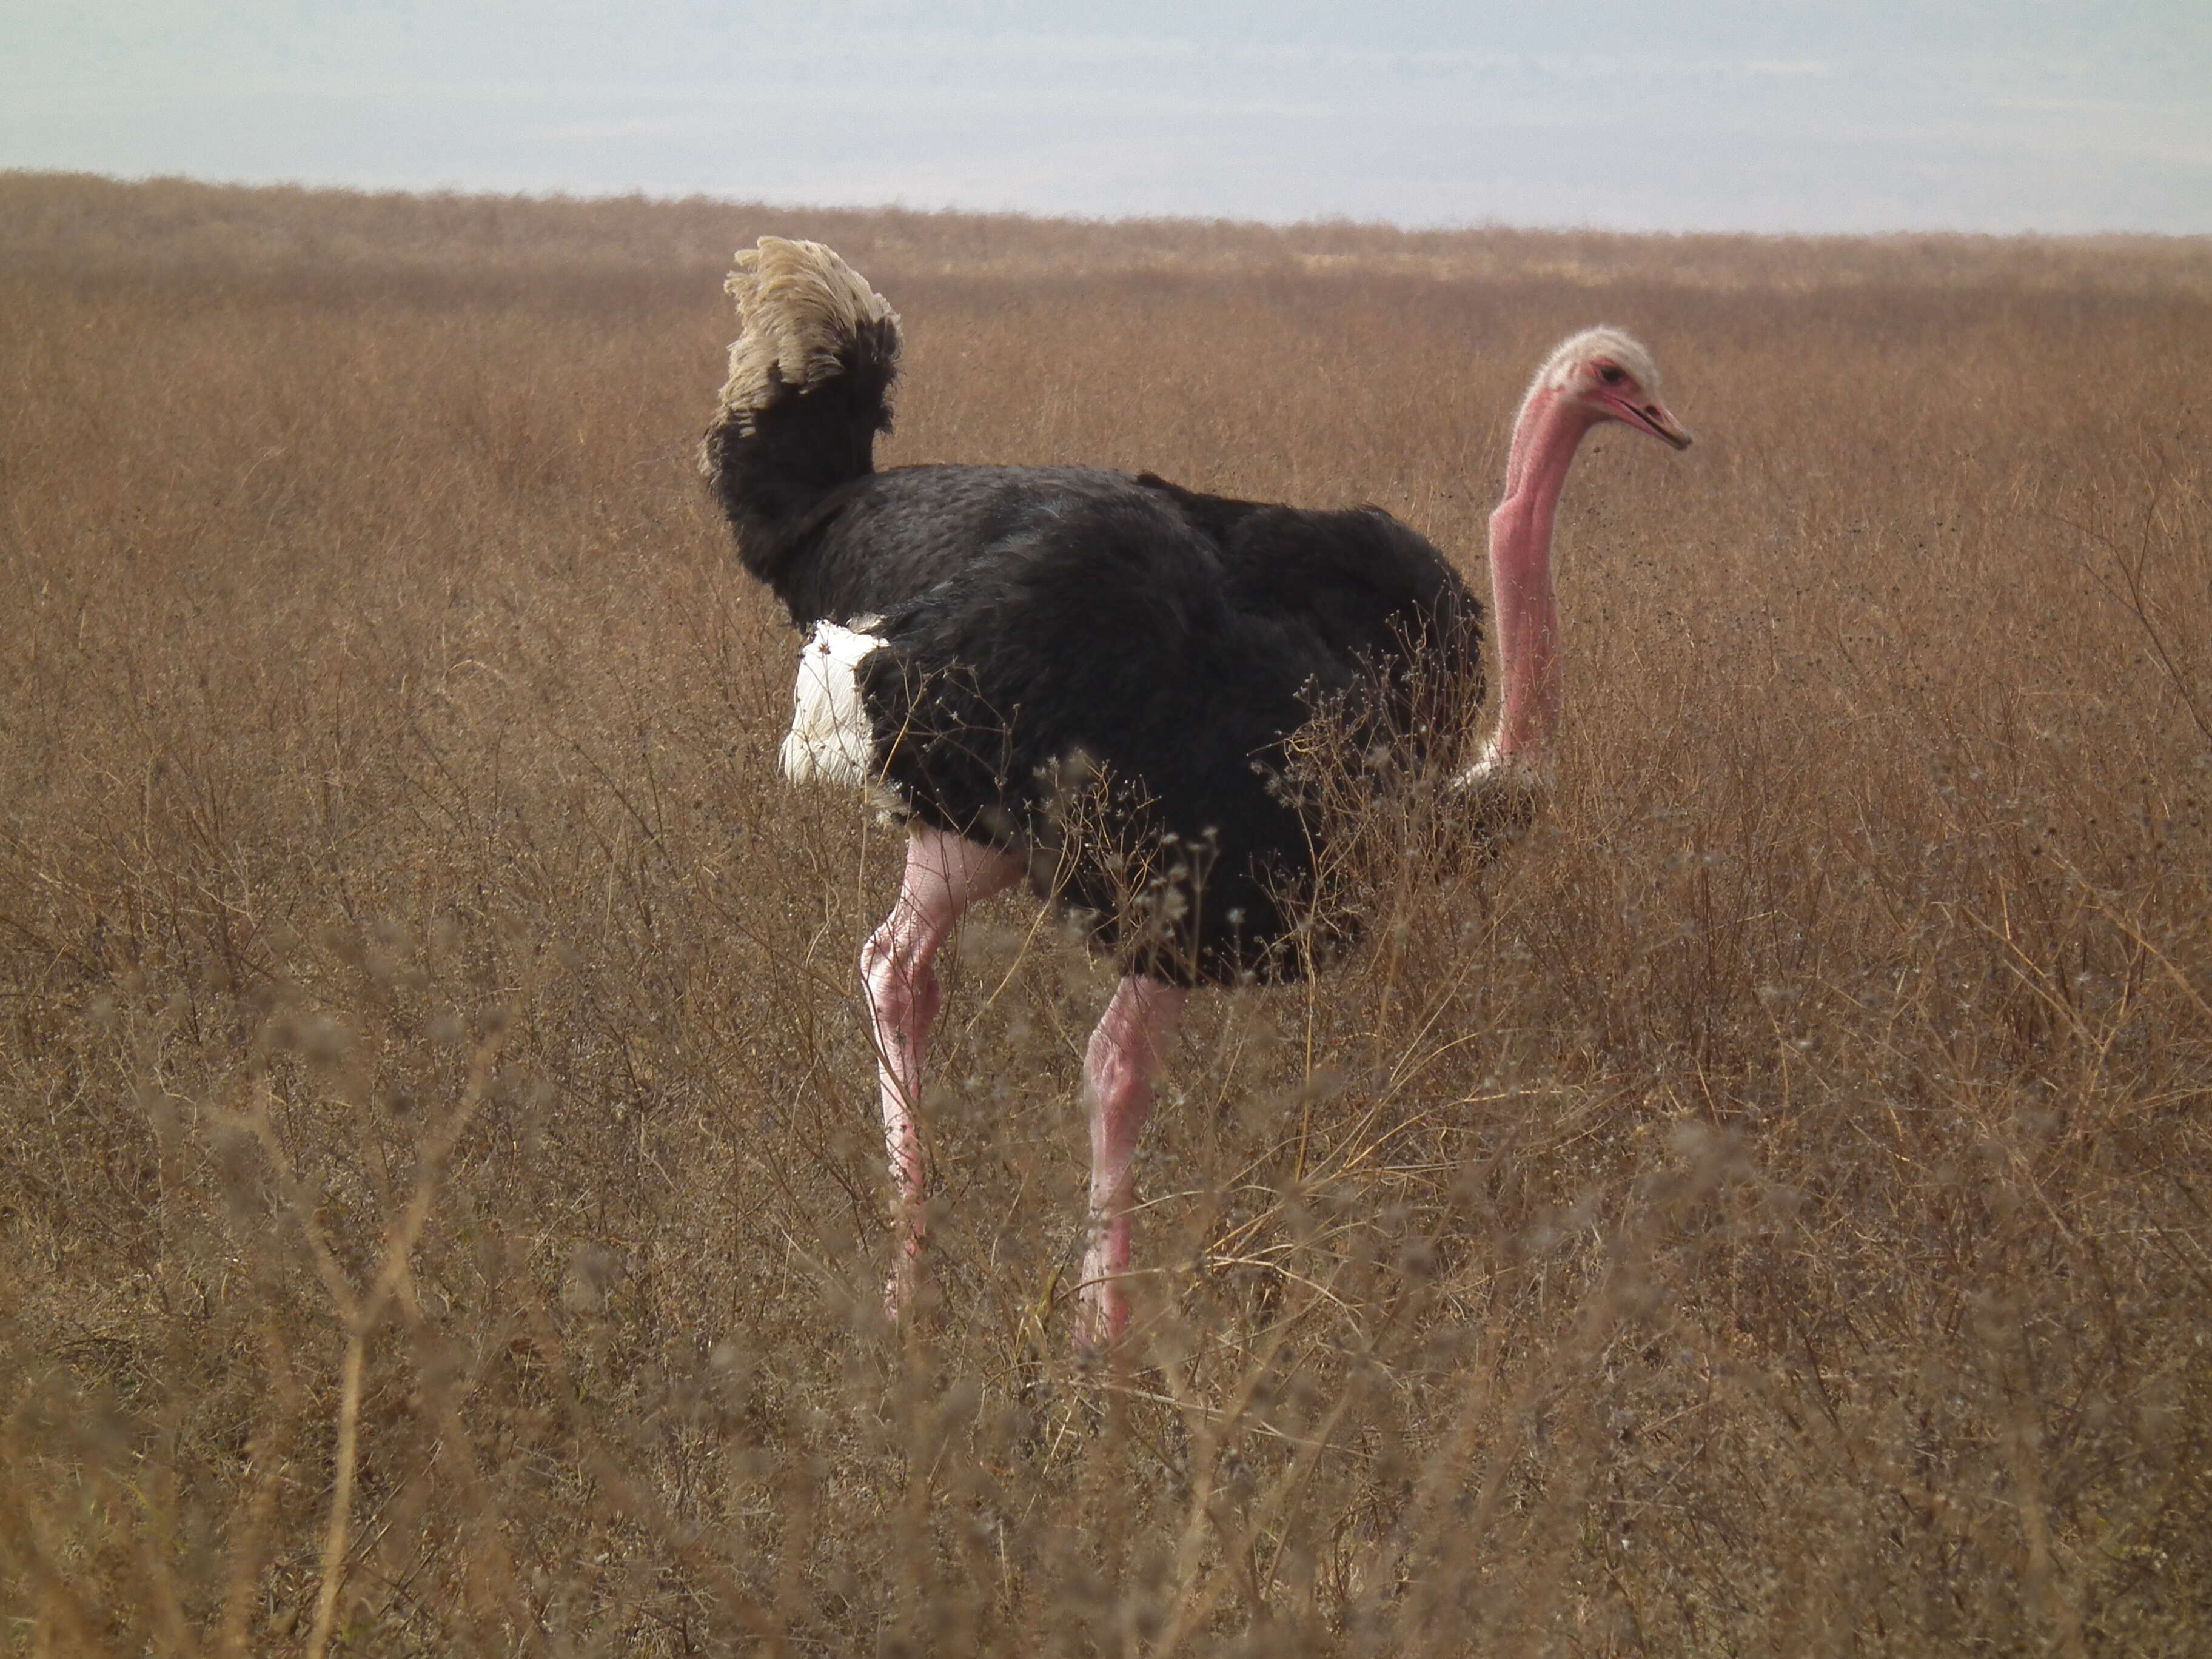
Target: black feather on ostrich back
(1106, 674)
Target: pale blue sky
(1773, 115)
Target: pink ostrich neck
(1544, 441)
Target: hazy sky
(1765, 115)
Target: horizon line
(556, 195)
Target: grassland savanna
(439, 1210)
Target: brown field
(440, 1207)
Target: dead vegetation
(439, 1210)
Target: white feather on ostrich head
(798, 305)
(1607, 372)
(1601, 343)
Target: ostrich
(985, 639)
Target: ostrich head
(1611, 377)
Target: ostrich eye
(1610, 373)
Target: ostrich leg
(1125, 1050)
(945, 874)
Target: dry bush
(1765, 1211)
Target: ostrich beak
(1654, 418)
(1662, 423)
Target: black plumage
(1107, 685)
(779, 465)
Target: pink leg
(944, 876)
(1125, 1051)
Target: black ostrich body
(1105, 685)
(1095, 671)
(1098, 673)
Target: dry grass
(1766, 1212)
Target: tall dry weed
(1763, 1211)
